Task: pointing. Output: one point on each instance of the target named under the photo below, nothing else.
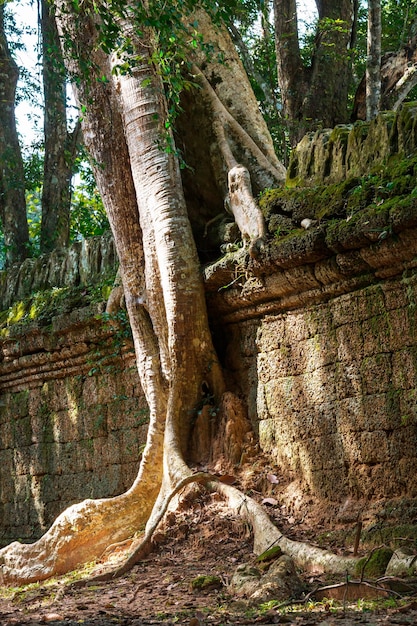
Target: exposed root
(79, 535)
(266, 535)
(83, 531)
(240, 199)
(142, 547)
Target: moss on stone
(202, 583)
(375, 565)
(353, 213)
(41, 307)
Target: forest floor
(202, 539)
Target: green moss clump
(351, 214)
(269, 555)
(202, 583)
(375, 565)
(42, 306)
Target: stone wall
(73, 419)
(332, 391)
(325, 354)
(318, 335)
(72, 423)
(84, 262)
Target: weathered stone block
(379, 411)
(297, 328)
(318, 420)
(350, 342)
(313, 353)
(407, 128)
(374, 447)
(246, 337)
(404, 368)
(269, 336)
(19, 404)
(348, 414)
(394, 296)
(348, 379)
(404, 443)
(345, 310)
(403, 327)
(274, 364)
(319, 453)
(376, 373)
(326, 483)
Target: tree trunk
(316, 95)
(60, 146)
(124, 116)
(12, 180)
(293, 77)
(373, 60)
(398, 77)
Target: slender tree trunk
(60, 146)
(398, 77)
(373, 60)
(12, 179)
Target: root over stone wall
(319, 336)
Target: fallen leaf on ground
(270, 501)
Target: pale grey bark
(373, 60)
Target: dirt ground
(201, 539)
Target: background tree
(60, 145)
(46, 161)
(373, 60)
(12, 180)
(314, 91)
(399, 58)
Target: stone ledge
(81, 264)
(35, 355)
(239, 289)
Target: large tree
(12, 180)
(127, 78)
